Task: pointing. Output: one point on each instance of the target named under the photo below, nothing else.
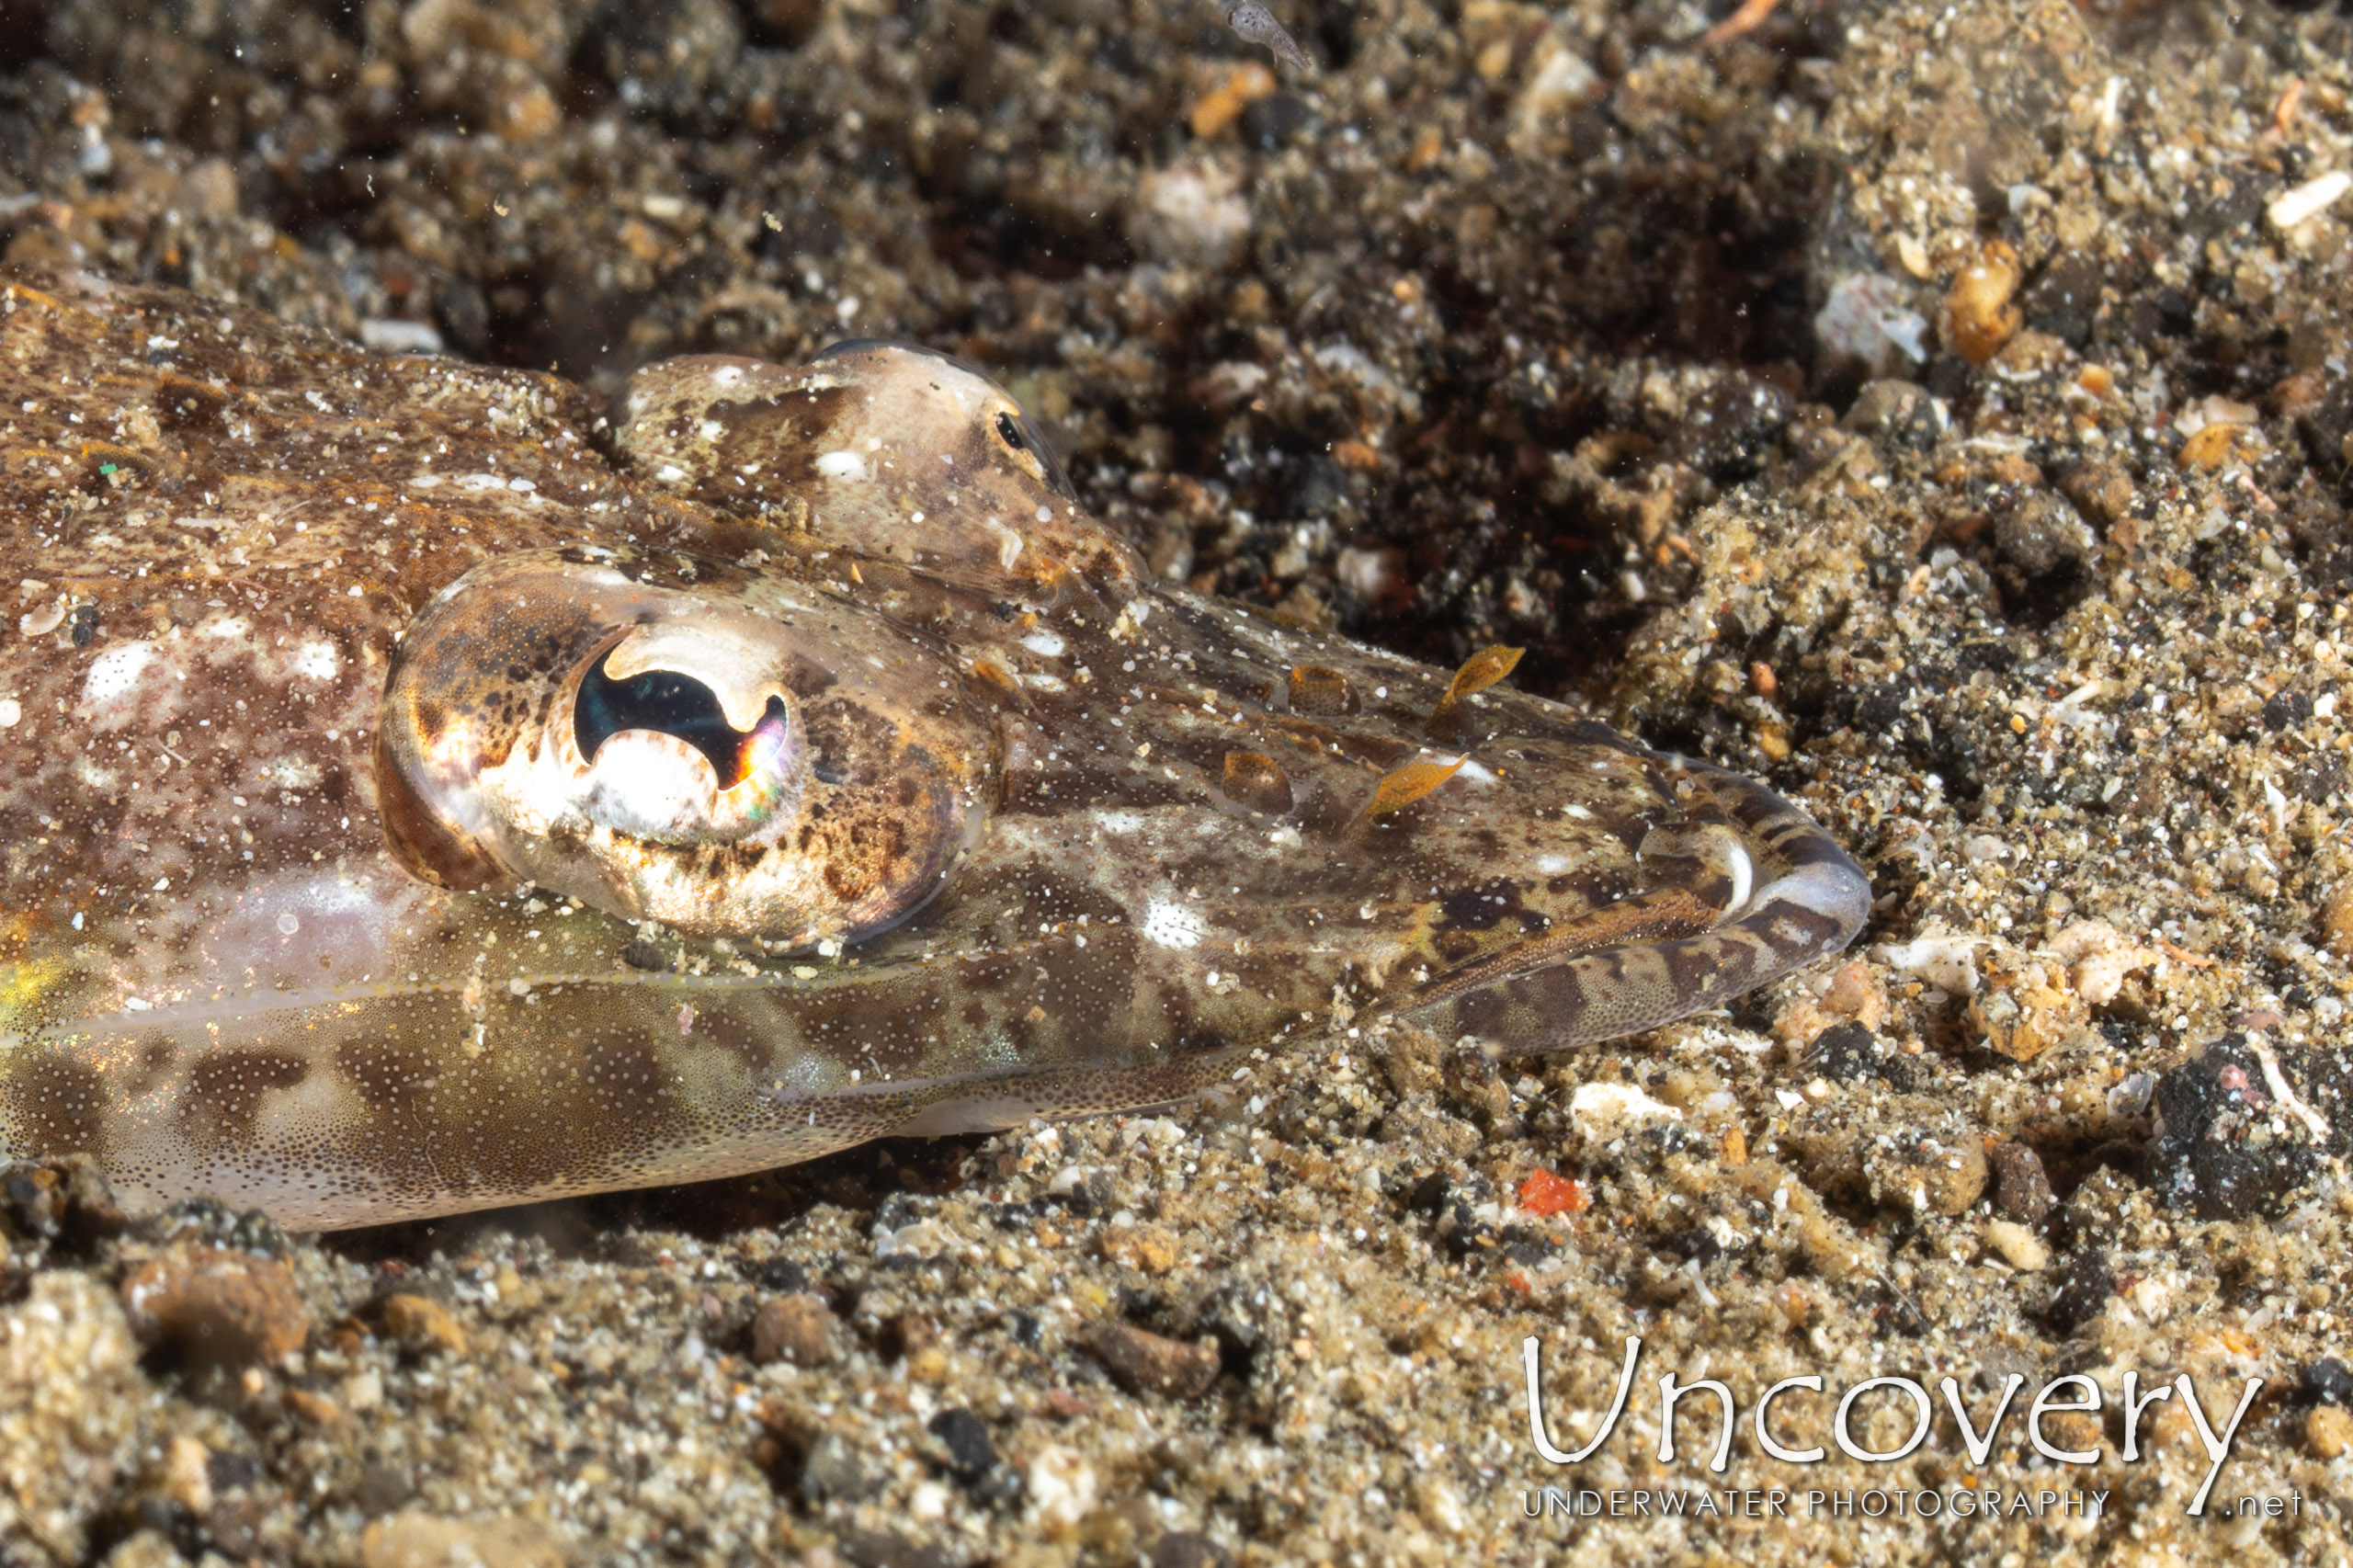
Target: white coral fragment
(1946, 963)
(2097, 959)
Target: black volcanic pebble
(2230, 1148)
(2327, 1381)
(970, 1455)
(2085, 1286)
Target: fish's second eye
(1010, 433)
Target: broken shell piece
(1600, 1112)
(2308, 200)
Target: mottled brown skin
(1050, 837)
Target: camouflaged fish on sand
(416, 796)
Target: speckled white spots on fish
(1172, 925)
(315, 659)
(843, 465)
(288, 772)
(115, 672)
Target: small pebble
(2101, 491)
(2023, 1008)
(315, 1409)
(217, 1306)
(2328, 1381)
(1149, 1363)
(1191, 214)
(74, 1414)
(1218, 108)
(1901, 413)
(2041, 533)
(1845, 1052)
(2021, 1188)
(797, 1329)
(834, 1470)
(423, 1540)
(422, 1323)
(906, 1337)
(1189, 1549)
(2328, 1431)
(970, 1455)
(1063, 1486)
(2023, 1250)
(1867, 319)
(2308, 200)
(2210, 447)
(1146, 1247)
(1600, 1112)
(392, 336)
(1277, 121)
(1980, 315)
(2337, 920)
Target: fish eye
(663, 763)
(1015, 429)
(672, 704)
(689, 755)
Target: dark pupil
(1011, 432)
(666, 701)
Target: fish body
(421, 791)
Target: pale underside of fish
(420, 793)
